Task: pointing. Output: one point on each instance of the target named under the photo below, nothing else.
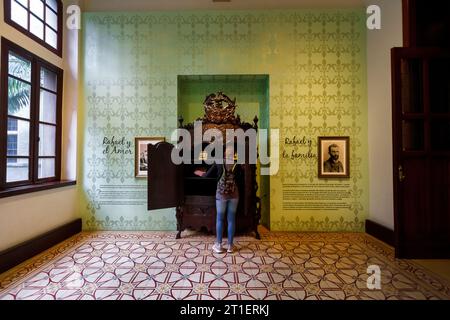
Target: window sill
(35, 188)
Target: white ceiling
(167, 5)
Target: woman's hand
(199, 173)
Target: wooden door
(165, 187)
(421, 142)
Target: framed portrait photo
(141, 157)
(334, 157)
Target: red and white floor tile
(280, 266)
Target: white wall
(70, 98)
(26, 216)
(379, 44)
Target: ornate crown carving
(219, 114)
(219, 108)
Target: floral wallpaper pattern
(316, 63)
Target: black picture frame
(141, 158)
(329, 168)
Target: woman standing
(227, 199)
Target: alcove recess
(252, 98)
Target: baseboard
(14, 256)
(380, 232)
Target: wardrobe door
(165, 187)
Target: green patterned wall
(316, 64)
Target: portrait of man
(143, 161)
(334, 157)
(333, 164)
(141, 157)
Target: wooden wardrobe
(171, 185)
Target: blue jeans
(229, 206)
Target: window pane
(37, 27)
(19, 67)
(413, 135)
(18, 98)
(23, 138)
(51, 18)
(48, 79)
(47, 140)
(17, 171)
(11, 160)
(440, 86)
(46, 168)
(50, 37)
(412, 92)
(440, 135)
(19, 14)
(53, 4)
(12, 124)
(47, 107)
(37, 7)
(24, 2)
(12, 145)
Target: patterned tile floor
(153, 265)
